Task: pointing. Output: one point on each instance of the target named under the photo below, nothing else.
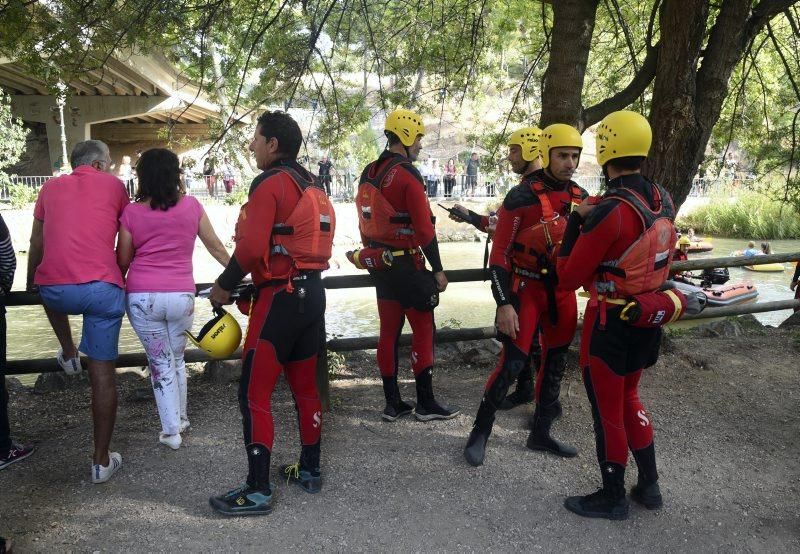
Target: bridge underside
(130, 103)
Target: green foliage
(12, 138)
(236, 198)
(21, 195)
(750, 215)
(337, 363)
(453, 323)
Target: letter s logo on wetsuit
(643, 419)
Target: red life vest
(307, 234)
(644, 266)
(378, 220)
(540, 242)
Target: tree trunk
(571, 40)
(678, 143)
(687, 101)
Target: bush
(751, 215)
(22, 195)
(236, 198)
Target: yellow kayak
(774, 267)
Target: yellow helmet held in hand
(558, 135)
(406, 125)
(527, 139)
(220, 337)
(622, 134)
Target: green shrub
(236, 198)
(750, 215)
(22, 195)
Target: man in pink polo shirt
(72, 261)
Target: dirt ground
(725, 412)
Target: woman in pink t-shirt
(156, 242)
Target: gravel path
(726, 418)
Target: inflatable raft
(724, 295)
(774, 267)
(699, 245)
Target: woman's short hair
(159, 178)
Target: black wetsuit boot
(549, 408)
(395, 407)
(608, 502)
(475, 450)
(428, 408)
(255, 496)
(646, 491)
(523, 394)
(305, 473)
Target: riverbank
(724, 410)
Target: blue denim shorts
(102, 306)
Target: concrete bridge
(130, 101)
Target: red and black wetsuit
(525, 390)
(612, 356)
(533, 295)
(404, 189)
(285, 323)
(795, 278)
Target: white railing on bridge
(342, 186)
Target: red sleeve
(419, 210)
(508, 222)
(255, 228)
(38, 208)
(589, 251)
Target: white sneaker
(185, 425)
(71, 366)
(173, 441)
(101, 474)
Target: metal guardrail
(342, 186)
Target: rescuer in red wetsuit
(633, 218)
(523, 393)
(394, 214)
(530, 225)
(283, 239)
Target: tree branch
(629, 94)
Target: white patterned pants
(159, 319)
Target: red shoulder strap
(541, 193)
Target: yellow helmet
(220, 337)
(558, 135)
(684, 240)
(527, 139)
(406, 125)
(621, 134)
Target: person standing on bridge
(156, 241)
(619, 248)
(394, 216)
(73, 264)
(530, 225)
(284, 238)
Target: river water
(352, 312)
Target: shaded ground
(726, 418)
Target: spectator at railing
(156, 240)
(450, 171)
(228, 175)
(72, 262)
(125, 173)
(472, 169)
(210, 176)
(325, 172)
